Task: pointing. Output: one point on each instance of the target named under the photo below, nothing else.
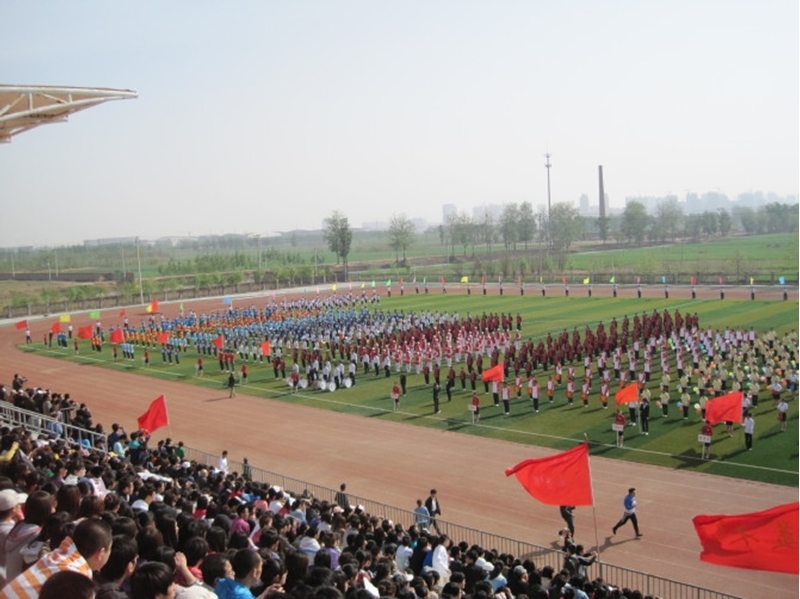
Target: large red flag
(55, 327)
(495, 373)
(562, 479)
(627, 394)
(218, 342)
(85, 332)
(22, 324)
(123, 312)
(152, 307)
(117, 336)
(163, 338)
(757, 541)
(155, 417)
(725, 408)
(265, 348)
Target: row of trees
(669, 221)
(519, 224)
(516, 224)
(222, 262)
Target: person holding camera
(566, 514)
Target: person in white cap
(11, 504)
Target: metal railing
(619, 576)
(47, 425)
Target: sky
(262, 116)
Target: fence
(619, 576)
(42, 424)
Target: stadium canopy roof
(23, 107)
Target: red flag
(265, 348)
(152, 308)
(163, 338)
(218, 342)
(694, 280)
(401, 280)
(562, 479)
(442, 280)
(756, 541)
(725, 408)
(564, 280)
(155, 417)
(117, 336)
(721, 280)
(495, 373)
(122, 313)
(55, 327)
(22, 324)
(627, 394)
(85, 332)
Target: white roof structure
(23, 107)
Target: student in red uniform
(619, 420)
(396, 396)
(476, 408)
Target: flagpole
(594, 510)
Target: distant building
(583, 205)
(110, 241)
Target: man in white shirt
(222, 464)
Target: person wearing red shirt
(396, 396)
(619, 422)
(476, 408)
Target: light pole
(549, 215)
(139, 263)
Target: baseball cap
(9, 499)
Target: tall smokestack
(602, 192)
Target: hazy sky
(266, 116)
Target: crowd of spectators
(148, 523)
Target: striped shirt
(28, 584)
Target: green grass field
(672, 441)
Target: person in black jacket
(432, 503)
